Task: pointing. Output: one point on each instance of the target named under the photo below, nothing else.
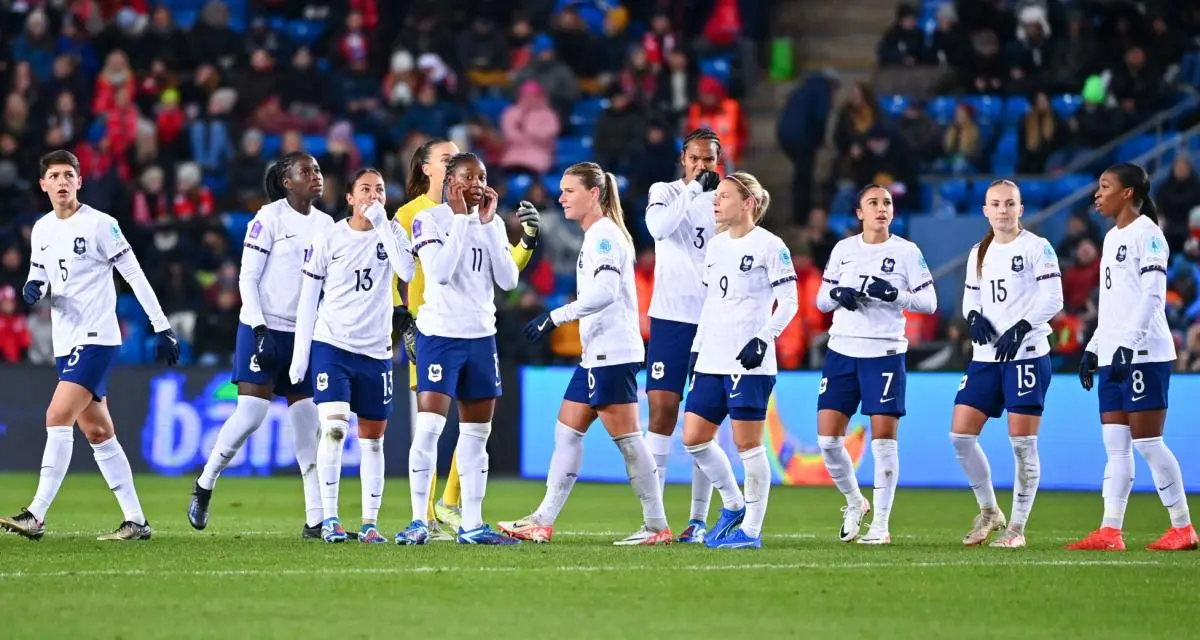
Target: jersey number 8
(1107, 277)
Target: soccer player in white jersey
(680, 218)
(604, 384)
(870, 281)
(463, 248)
(272, 255)
(748, 271)
(349, 339)
(75, 248)
(1132, 352)
(1013, 289)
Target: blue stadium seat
(366, 147)
(717, 67)
(1004, 159)
(1014, 109)
(133, 343)
(128, 306)
(978, 194)
(1135, 147)
(899, 225)
(1066, 185)
(586, 112)
(1189, 69)
(235, 226)
(925, 194)
(894, 106)
(840, 223)
(550, 184)
(271, 144)
(1066, 105)
(315, 145)
(1034, 193)
(185, 19)
(571, 149)
(304, 33)
(954, 191)
(518, 186)
(942, 108)
(490, 107)
(988, 109)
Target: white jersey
(1133, 271)
(607, 308)
(1021, 281)
(74, 257)
(463, 261)
(744, 276)
(681, 220)
(356, 310)
(272, 256)
(876, 329)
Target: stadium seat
(894, 106)
(518, 186)
(840, 223)
(490, 107)
(366, 147)
(718, 67)
(988, 109)
(1034, 193)
(954, 191)
(941, 109)
(315, 145)
(586, 112)
(304, 33)
(236, 223)
(925, 194)
(133, 342)
(1015, 108)
(1065, 105)
(571, 149)
(550, 184)
(1189, 69)
(128, 306)
(1004, 159)
(1136, 146)
(1066, 185)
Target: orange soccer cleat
(1177, 539)
(1102, 539)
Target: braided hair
(277, 171)
(705, 134)
(456, 160)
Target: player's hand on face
(709, 180)
(32, 291)
(1087, 369)
(374, 212)
(487, 209)
(458, 201)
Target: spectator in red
(169, 118)
(353, 44)
(193, 200)
(659, 41)
(120, 128)
(14, 331)
(715, 110)
(151, 204)
(1081, 278)
(530, 128)
(639, 79)
(724, 25)
(116, 75)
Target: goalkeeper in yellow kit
(426, 177)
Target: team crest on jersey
(1121, 252)
(747, 264)
(785, 256)
(435, 373)
(115, 231)
(1018, 264)
(416, 228)
(604, 246)
(888, 266)
(658, 370)
(380, 252)
(1156, 245)
(255, 229)
(322, 381)
(921, 261)
(80, 246)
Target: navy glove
(882, 290)
(537, 328)
(32, 292)
(1087, 369)
(264, 347)
(708, 180)
(405, 326)
(846, 296)
(751, 355)
(1009, 344)
(692, 366)
(168, 347)
(1122, 364)
(980, 328)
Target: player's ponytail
(1134, 177)
(991, 234)
(593, 177)
(418, 183)
(749, 187)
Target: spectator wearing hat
(714, 109)
(530, 128)
(554, 77)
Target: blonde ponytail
(593, 177)
(749, 187)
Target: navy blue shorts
(1018, 387)
(667, 355)
(344, 376)
(602, 386)
(247, 369)
(462, 368)
(878, 383)
(87, 366)
(714, 396)
(1144, 390)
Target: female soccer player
(350, 342)
(426, 185)
(871, 280)
(270, 279)
(1132, 352)
(1013, 283)
(748, 271)
(463, 246)
(604, 384)
(680, 218)
(75, 248)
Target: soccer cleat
(416, 533)
(725, 525)
(370, 535)
(129, 531)
(647, 536)
(1176, 539)
(876, 536)
(1009, 539)
(332, 531)
(987, 522)
(448, 516)
(738, 539)
(694, 533)
(439, 533)
(198, 508)
(1102, 539)
(311, 533)
(483, 534)
(852, 516)
(527, 529)
(24, 524)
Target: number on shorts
(962, 384)
(737, 377)
(887, 382)
(1026, 376)
(74, 359)
(591, 380)
(387, 383)
(824, 385)
(1139, 382)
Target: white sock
(1118, 474)
(975, 465)
(564, 470)
(306, 429)
(1026, 478)
(370, 470)
(640, 466)
(711, 460)
(758, 487)
(422, 461)
(114, 466)
(702, 489)
(56, 459)
(840, 467)
(660, 450)
(887, 474)
(1167, 478)
(473, 470)
(244, 421)
(329, 463)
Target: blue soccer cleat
(484, 535)
(694, 533)
(728, 521)
(415, 533)
(370, 535)
(332, 531)
(737, 540)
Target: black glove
(264, 347)
(708, 180)
(980, 328)
(692, 366)
(846, 296)
(1009, 344)
(882, 290)
(751, 355)
(1122, 364)
(404, 325)
(32, 291)
(530, 223)
(168, 347)
(537, 328)
(1087, 369)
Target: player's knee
(747, 441)
(663, 415)
(697, 448)
(830, 443)
(334, 423)
(371, 429)
(481, 430)
(252, 409)
(96, 432)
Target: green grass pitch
(250, 576)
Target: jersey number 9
(724, 283)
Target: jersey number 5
(63, 272)
(362, 280)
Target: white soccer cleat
(647, 536)
(876, 536)
(987, 522)
(527, 529)
(852, 517)
(1009, 539)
